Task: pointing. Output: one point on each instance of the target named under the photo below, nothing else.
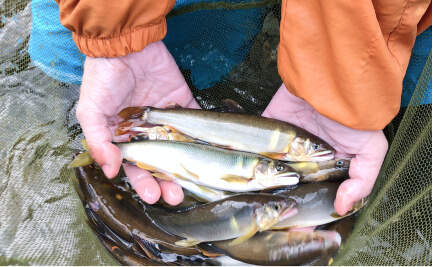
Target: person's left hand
(366, 148)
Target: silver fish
(269, 137)
(315, 205)
(239, 216)
(210, 166)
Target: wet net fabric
(231, 55)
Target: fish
(280, 247)
(124, 215)
(238, 217)
(315, 205)
(334, 170)
(239, 131)
(310, 171)
(344, 227)
(214, 167)
(122, 250)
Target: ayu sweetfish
(238, 217)
(123, 251)
(314, 204)
(280, 247)
(269, 137)
(124, 215)
(206, 165)
(334, 170)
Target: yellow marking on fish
(190, 173)
(119, 196)
(235, 179)
(145, 166)
(243, 238)
(234, 223)
(331, 260)
(240, 162)
(274, 139)
(268, 237)
(272, 155)
(187, 242)
(301, 164)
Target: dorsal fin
(234, 106)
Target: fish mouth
(288, 212)
(322, 155)
(288, 178)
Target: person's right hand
(147, 78)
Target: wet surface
(41, 218)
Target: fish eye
(276, 207)
(339, 163)
(280, 167)
(316, 146)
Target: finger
(171, 192)
(349, 192)
(98, 137)
(363, 172)
(144, 183)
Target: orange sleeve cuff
(133, 41)
(115, 28)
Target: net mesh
(42, 221)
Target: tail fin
(82, 159)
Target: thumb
(99, 137)
(363, 172)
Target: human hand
(147, 78)
(366, 148)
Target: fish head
(305, 148)
(342, 164)
(273, 172)
(274, 211)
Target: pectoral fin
(190, 173)
(82, 159)
(234, 106)
(235, 179)
(243, 238)
(145, 166)
(187, 242)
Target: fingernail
(106, 168)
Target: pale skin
(152, 78)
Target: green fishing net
(227, 51)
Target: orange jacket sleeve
(114, 28)
(348, 58)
